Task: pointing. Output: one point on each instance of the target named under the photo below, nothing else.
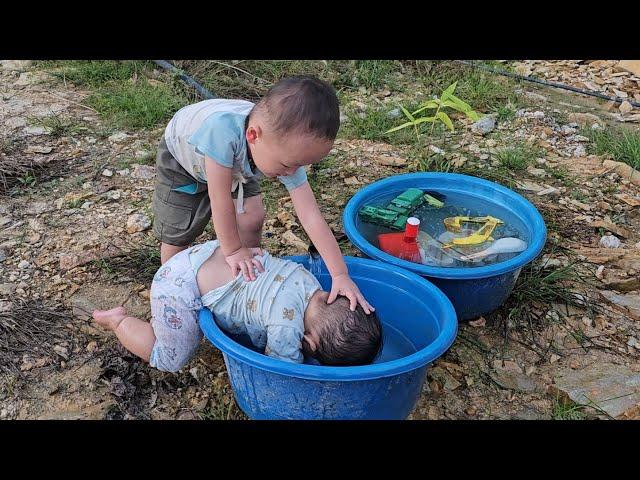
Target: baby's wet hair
(348, 338)
(302, 104)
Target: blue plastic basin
(473, 291)
(414, 314)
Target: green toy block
(384, 217)
(434, 202)
(407, 201)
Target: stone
(15, 122)
(625, 171)
(143, 172)
(436, 150)
(631, 66)
(118, 137)
(107, 173)
(485, 125)
(292, 239)
(538, 172)
(628, 302)
(3, 255)
(513, 381)
(612, 388)
(138, 222)
(625, 107)
(7, 289)
(62, 351)
(443, 377)
(548, 191)
(391, 161)
(38, 149)
(610, 241)
(23, 265)
(352, 181)
(15, 65)
(584, 118)
(395, 113)
(612, 227)
(36, 131)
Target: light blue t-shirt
(269, 310)
(216, 128)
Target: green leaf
(464, 105)
(400, 127)
(406, 112)
(445, 119)
(449, 91)
(427, 105)
(473, 115)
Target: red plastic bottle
(403, 245)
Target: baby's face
(276, 155)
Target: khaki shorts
(180, 218)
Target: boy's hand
(242, 261)
(343, 285)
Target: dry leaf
(391, 161)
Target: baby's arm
(322, 237)
(223, 213)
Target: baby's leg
(167, 251)
(251, 221)
(135, 335)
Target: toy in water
(433, 252)
(396, 213)
(454, 224)
(403, 245)
(502, 245)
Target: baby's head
(334, 335)
(294, 124)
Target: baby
(283, 311)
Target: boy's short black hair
(348, 338)
(304, 104)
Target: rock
(554, 358)
(391, 161)
(38, 149)
(632, 66)
(290, 238)
(62, 351)
(612, 227)
(625, 107)
(538, 172)
(612, 388)
(395, 113)
(107, 173)
(7, 289)
(584, 118)
(629, 200)
(138, 222)
(92, 346)
(480, 322)
(443, 377)
(549, 191)
(143, 172)
(3, 255)
(628, 302)
(566, 130)
(513, 381)
(23, 265)
(528, 186)
(36, 131)
(118, 137)
(535, 96)
(15, 65)
(436, 150)
(352, 181)
(580, 151)
(625, 171)
(609, 241)
(15, 122)
(485, 125)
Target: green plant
(446, 100)
(27, 179)
(519, 156)
(567, 411)
(622, 144)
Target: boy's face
(279, 156)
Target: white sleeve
(284, 343)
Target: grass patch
(60, 126)
(136, 105)
(123, 91)
(567, 411)
(622, 144)
(519, 156)
(137, 265)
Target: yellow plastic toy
(454, 224)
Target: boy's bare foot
(110, 319)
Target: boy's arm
(223, 213)
(322, 237)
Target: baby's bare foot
(110, 319)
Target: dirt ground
(78, 239)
